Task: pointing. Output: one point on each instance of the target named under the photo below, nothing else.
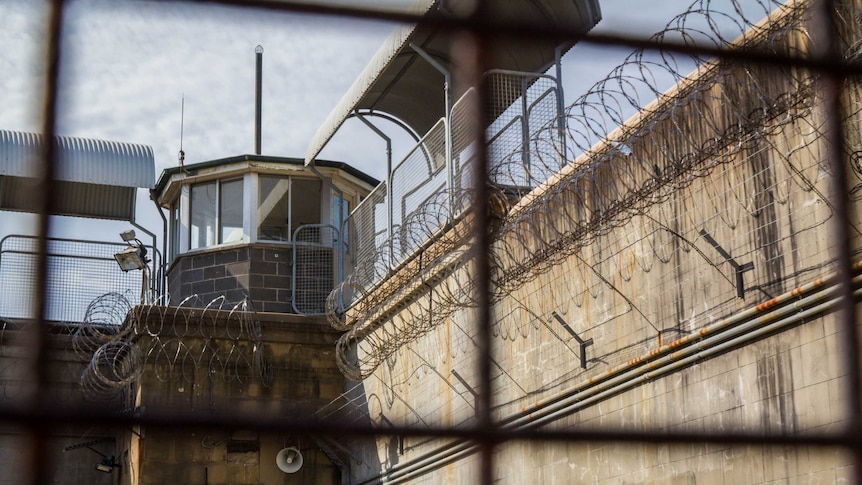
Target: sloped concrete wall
(654, 287)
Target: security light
(128, 236)
(107, 464)
(132, 258)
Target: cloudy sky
(127, 66)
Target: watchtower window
(230, 211)
(216, 213)
(203, 210)
(284, 204)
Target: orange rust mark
(678, 342)
(703, 331)
(766, 304)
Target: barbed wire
(653, 170)
(172, 343)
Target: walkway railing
(79, 271)
(430, 187)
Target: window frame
(218, 209)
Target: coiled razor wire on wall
(707, 134)
(172, 343)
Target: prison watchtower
(262, 227)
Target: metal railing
(78, 272)
(426, 192)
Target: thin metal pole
(561, 106)
(447, 101)
(389, 221)
(258, 97)
(525, 133)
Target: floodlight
(132, 258)
(128, 236)
(107, 464)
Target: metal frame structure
(36, 414)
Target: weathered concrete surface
(64, 368)
(647, 286)
(240, 364)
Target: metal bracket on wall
(87, 444)
(581, 342)
(738, 269)
(469, 389)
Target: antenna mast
(182, 154)
(258, 51)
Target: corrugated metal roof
(398, 82)
(79, 160)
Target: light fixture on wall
(133, 257)
(107, 464)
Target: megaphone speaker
(289, 460)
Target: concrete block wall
(218, 457)
(789, 383)
(260, 272)
(64, 368)
(73, 467)
(275, 362)
(264, 364)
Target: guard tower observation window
(216, 213)
(285, 204)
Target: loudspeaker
(289, 460)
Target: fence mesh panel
(78, 272)
(315, 257)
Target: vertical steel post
(561, 106)
(525, 133)
(388, 182)
(258, 97)
(447, 101)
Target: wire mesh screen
(524, 149)
(77, 273)
(419, 194)
(529, 105)
(315, 257)
(654, 284)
